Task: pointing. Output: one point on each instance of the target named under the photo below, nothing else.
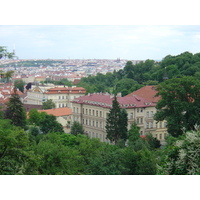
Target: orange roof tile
(58, 111)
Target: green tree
(8, 75)
(48, 124)
(20, 85)
(4, 53)
(182, 155)
(15, 110)
(49, 104)
(179, 104)
(116, 123)
(77, 128)
(15, 155)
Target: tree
(77, 128)
(49, 104)
(8, 75)
(15, 110)
(15, 156)
(182, 155)
(4, 53)
(48, 124)
(116, 123)
(20, 85)
(133, 133)
(179, 104)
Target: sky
(132, 42)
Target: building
(63, 116)
(61, 96)
(92, 110)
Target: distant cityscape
(72, 69)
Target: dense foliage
(149, 72)
(179, 104)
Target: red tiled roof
(58, 111)
(66, 90)
(147, 92)
(105, 100)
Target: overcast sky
(97, 41)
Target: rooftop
(105, 100)
(147, 92)
(58, 111)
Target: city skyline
(131, 42)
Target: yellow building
(61, 96)
(92, 110)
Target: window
(63, 105)
(100, 113)
(138, 110)
(92, 123)
(100, 124)
(141, 120)
(93, 112)
(83, 110)
(77, 110)
(131, 115)
(160, 124)
(141, 110)
(147, 125)
(73, 108)
(151, 125)
(86, 111)
(97, 113)
(96, 135)
(141, 132)
(59, 97)
(89, 112)
(165, 135)
(86, 122)
(165, 124)
(160, 136)
(96, 124)
(138, 120)
(151, 114)
(147, 114)
(63, 97)
(83, 121)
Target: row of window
(92, 112)
(62, 105)
(157, 125)
(160, 136)
(92, 123)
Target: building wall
(93, 119)
(37, 96)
